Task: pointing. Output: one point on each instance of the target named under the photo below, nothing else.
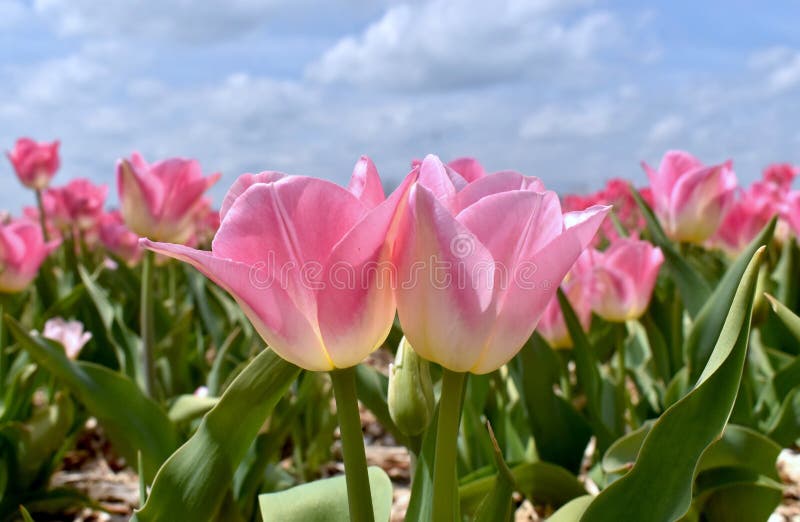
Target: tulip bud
(410, 391)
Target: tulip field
(632, 354)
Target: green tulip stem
(621, 376)
(42, 216)
(445, 475)
(146, 324)
(359, 497)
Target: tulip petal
(258, 290)
(533, 285)
(445, 275)
(469, 168)
(365, 184)
(498, 182)
(244, 182)
(442, 181)
(356, 307)
(514, 224)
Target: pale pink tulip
(34, 163)
(69, 334)
(118, 238)
(22, 250)
(624, 277)
(83, 202)
(160, 200)
(308, 262)
(467, 167)
(478, 262)
(577, 287)
(689, 198)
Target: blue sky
(572, 91)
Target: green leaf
(659, 486)
(25, 515)
(787, 317)
(785, 426)
(193, 482)
(573, 510)
(694, 289)
(708, 324)
(132, 421)
(189, 407)
(497, 505)
(371, 388)
(326, 500)
(560, 432)
(747, 501)
(541, 482)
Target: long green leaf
(132, 421)
(193, 482)
(659, 486)
(708, 323)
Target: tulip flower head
(479, 261)
(691, 199)
(83, 202)
(118, 238)
(69, 334)
(160, 200)
(22, 250)
(35, 163)
(308, 262)
(625, 275)
(577, 286)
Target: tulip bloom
(69, 334)
(689, 198)
(22, 250)
(160, 200)
(83, 201)
(479, 261)
(625, 275)
(616, 193)
(577, 287)
(307, 260)
(34, 163)
(118, 238)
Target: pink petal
(469, 168)
(258, 290)
(534, 283)
(502, 181)
(365, 184)
(444, 294)
(244, 182)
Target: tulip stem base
(146, 325)
(359, 497)
(445, 474)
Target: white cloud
(780, 67)
(461, 43)
(589, 119)
(666, 129)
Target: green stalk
(42, 216)
(445, 475)
(146, 324)
(359, 497)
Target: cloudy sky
(573, 91)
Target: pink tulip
(308, 262)
(577, 286)
(625, 275)
(22, 250)
(160, 200)
(758, 204)
(616, 193)
(689, 198)
(83, 202)
(34, 163)
(478, 262)
(69, 334)
(468, 168)
(118, 238)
